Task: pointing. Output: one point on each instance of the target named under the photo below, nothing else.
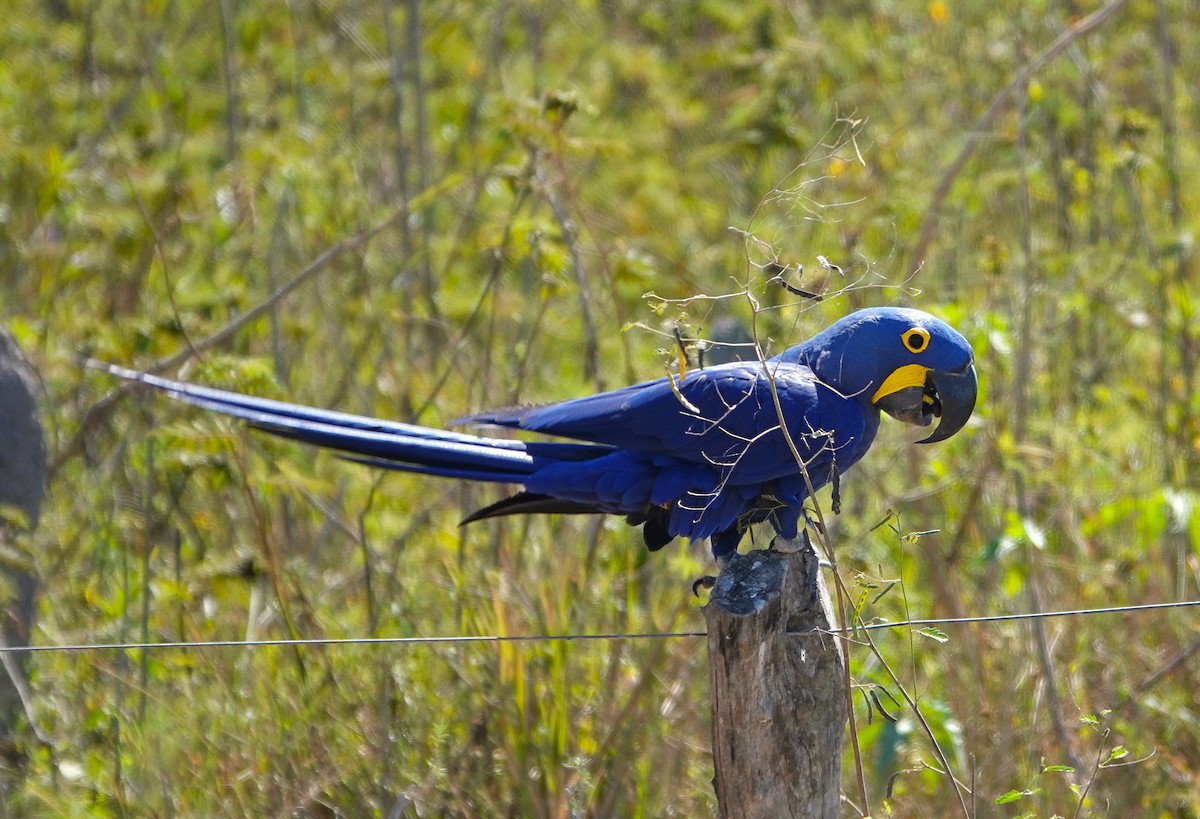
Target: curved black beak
(952, 396)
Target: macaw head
(905, 362)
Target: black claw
(814, 523)
(706, 582)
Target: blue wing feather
(722, 416)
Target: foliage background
(496, 187)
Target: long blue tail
(387, 444)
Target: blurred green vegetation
(499, 186)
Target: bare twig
(146, 569)
(1021, 381)
(1170, 667)
(271, 560)
(592, 367)
(466, 326)
(1181, 257)
(412, 29)
(826, 542)
(827, 545)
(843, 594)
(228, 69)
(976, 133)
(100, 411)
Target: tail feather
(438, 471)
(229, 402)
(530, 503)
(388, 444)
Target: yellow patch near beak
(910, 375)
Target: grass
(491, 233)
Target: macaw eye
(915, 339)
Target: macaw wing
(723, 415)
(665, 415)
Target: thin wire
(1036, 615)
(551, 638)
(334, 641)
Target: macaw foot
(708, 581)
(791, 545)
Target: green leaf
(888, 518)
(934, 634)
(886, 589)
(1015, 796)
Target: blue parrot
(704, 456)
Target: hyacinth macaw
(703, 456)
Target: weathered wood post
(778, 697)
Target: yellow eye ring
(915, 339)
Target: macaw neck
(827, 355)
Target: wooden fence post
(778, 701)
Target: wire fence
(552, 638)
